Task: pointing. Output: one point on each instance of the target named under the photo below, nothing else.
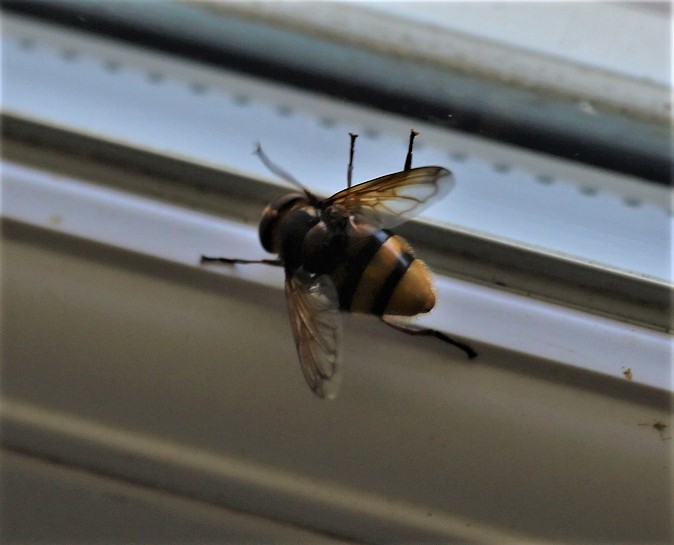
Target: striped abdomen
(381, 276)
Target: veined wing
(395, 198)
(313, 305)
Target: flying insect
(339, 255)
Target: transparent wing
(313, 306)
(393, 199)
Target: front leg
(235, 261)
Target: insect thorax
(292, 230)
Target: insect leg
(412, 330)
(352, 149)
(408, 159)
(234, 261)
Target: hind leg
(426, 332)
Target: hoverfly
(338, 255)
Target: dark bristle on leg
(235, 261)
(352, 149)
(412, 330)
(408, 160)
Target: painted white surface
(115, 511)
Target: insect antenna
(352, 149)
(275, 169)
(408, 159)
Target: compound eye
(266, 228)
(270, 216)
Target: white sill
(124, 356)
